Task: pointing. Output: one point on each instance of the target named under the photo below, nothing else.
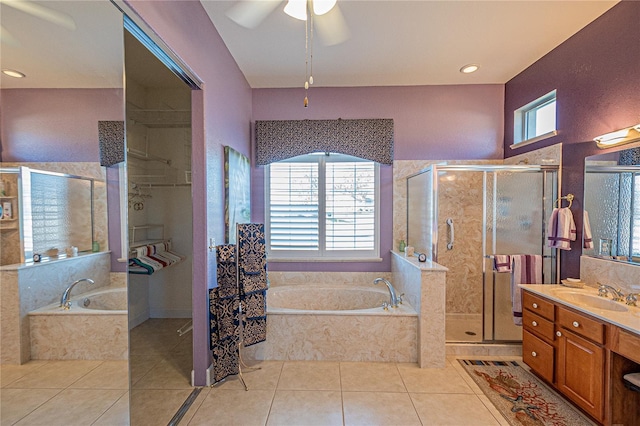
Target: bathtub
(336, 323)
(95, 327)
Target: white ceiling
(406, 42)
(391, 43)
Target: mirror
(612, 205)
(70, 54)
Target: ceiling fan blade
(42, 12)
(251, 13)
(6, 38)
(332, 27)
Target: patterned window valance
(282, 139)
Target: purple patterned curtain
(371, 139)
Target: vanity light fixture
(13, 73)
(469, 68)
(619, 137)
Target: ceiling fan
(327, 17)
(43, 12)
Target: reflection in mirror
(612, 205)
(71, 56)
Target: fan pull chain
(306, 62)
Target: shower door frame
(554, 191)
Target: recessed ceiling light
(13, 73)
(468, 69)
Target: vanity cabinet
(565, 348)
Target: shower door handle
(451, 234)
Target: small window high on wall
(535, 121)
(322, 207)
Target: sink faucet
(617, 295)
(394, 299)
(64, 300)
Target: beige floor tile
(139, 366)
(493, 410)
(371, 376)
(234, 407)
(166, 375)
(294, 407)
(18, 403)
(266, 378)
(117, 414)
(310, 375)
(55, 375)
(433, 380)
(11, 373)
(467, 378)
(452, 409)
(108, 375)
(72, 407)
(378, 408)
(202, 396)
(155, 406)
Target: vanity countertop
(628, 320)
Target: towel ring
(568, 197)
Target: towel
(502, 263)
(586, 226)
(526, 269)
(225, 341)
(252, 281)
(561, 229)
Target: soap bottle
(401, 246)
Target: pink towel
(561, 229)
(586, 230)
(526, 269)
(502, 262)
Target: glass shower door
(515, 224)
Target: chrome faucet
(394, 299)
(632, 299)
(64, 300)
(604, 290)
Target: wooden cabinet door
(580, 372)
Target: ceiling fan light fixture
(320, 7)
(296, 9)
(13, 73)
(469, 68)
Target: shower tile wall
(84, 169)
(551, 155)
(460, 198)
(401, 170)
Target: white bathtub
(336, 323)
(97, 331)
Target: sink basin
(591, 301)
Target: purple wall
(221, 115)
(61, 125)
(461, 122)
(49, 125)
(597, 76)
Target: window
(536, 120)
(322, 207)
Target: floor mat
(520, 397)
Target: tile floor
(83, 393)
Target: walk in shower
(461, 216)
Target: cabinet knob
(534, 323)
(576, 324)
(534, 354)
(535, 306)
(559, 333)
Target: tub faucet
(616, 294)
(393, 298)
(64, 300)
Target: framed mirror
(612, 205)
